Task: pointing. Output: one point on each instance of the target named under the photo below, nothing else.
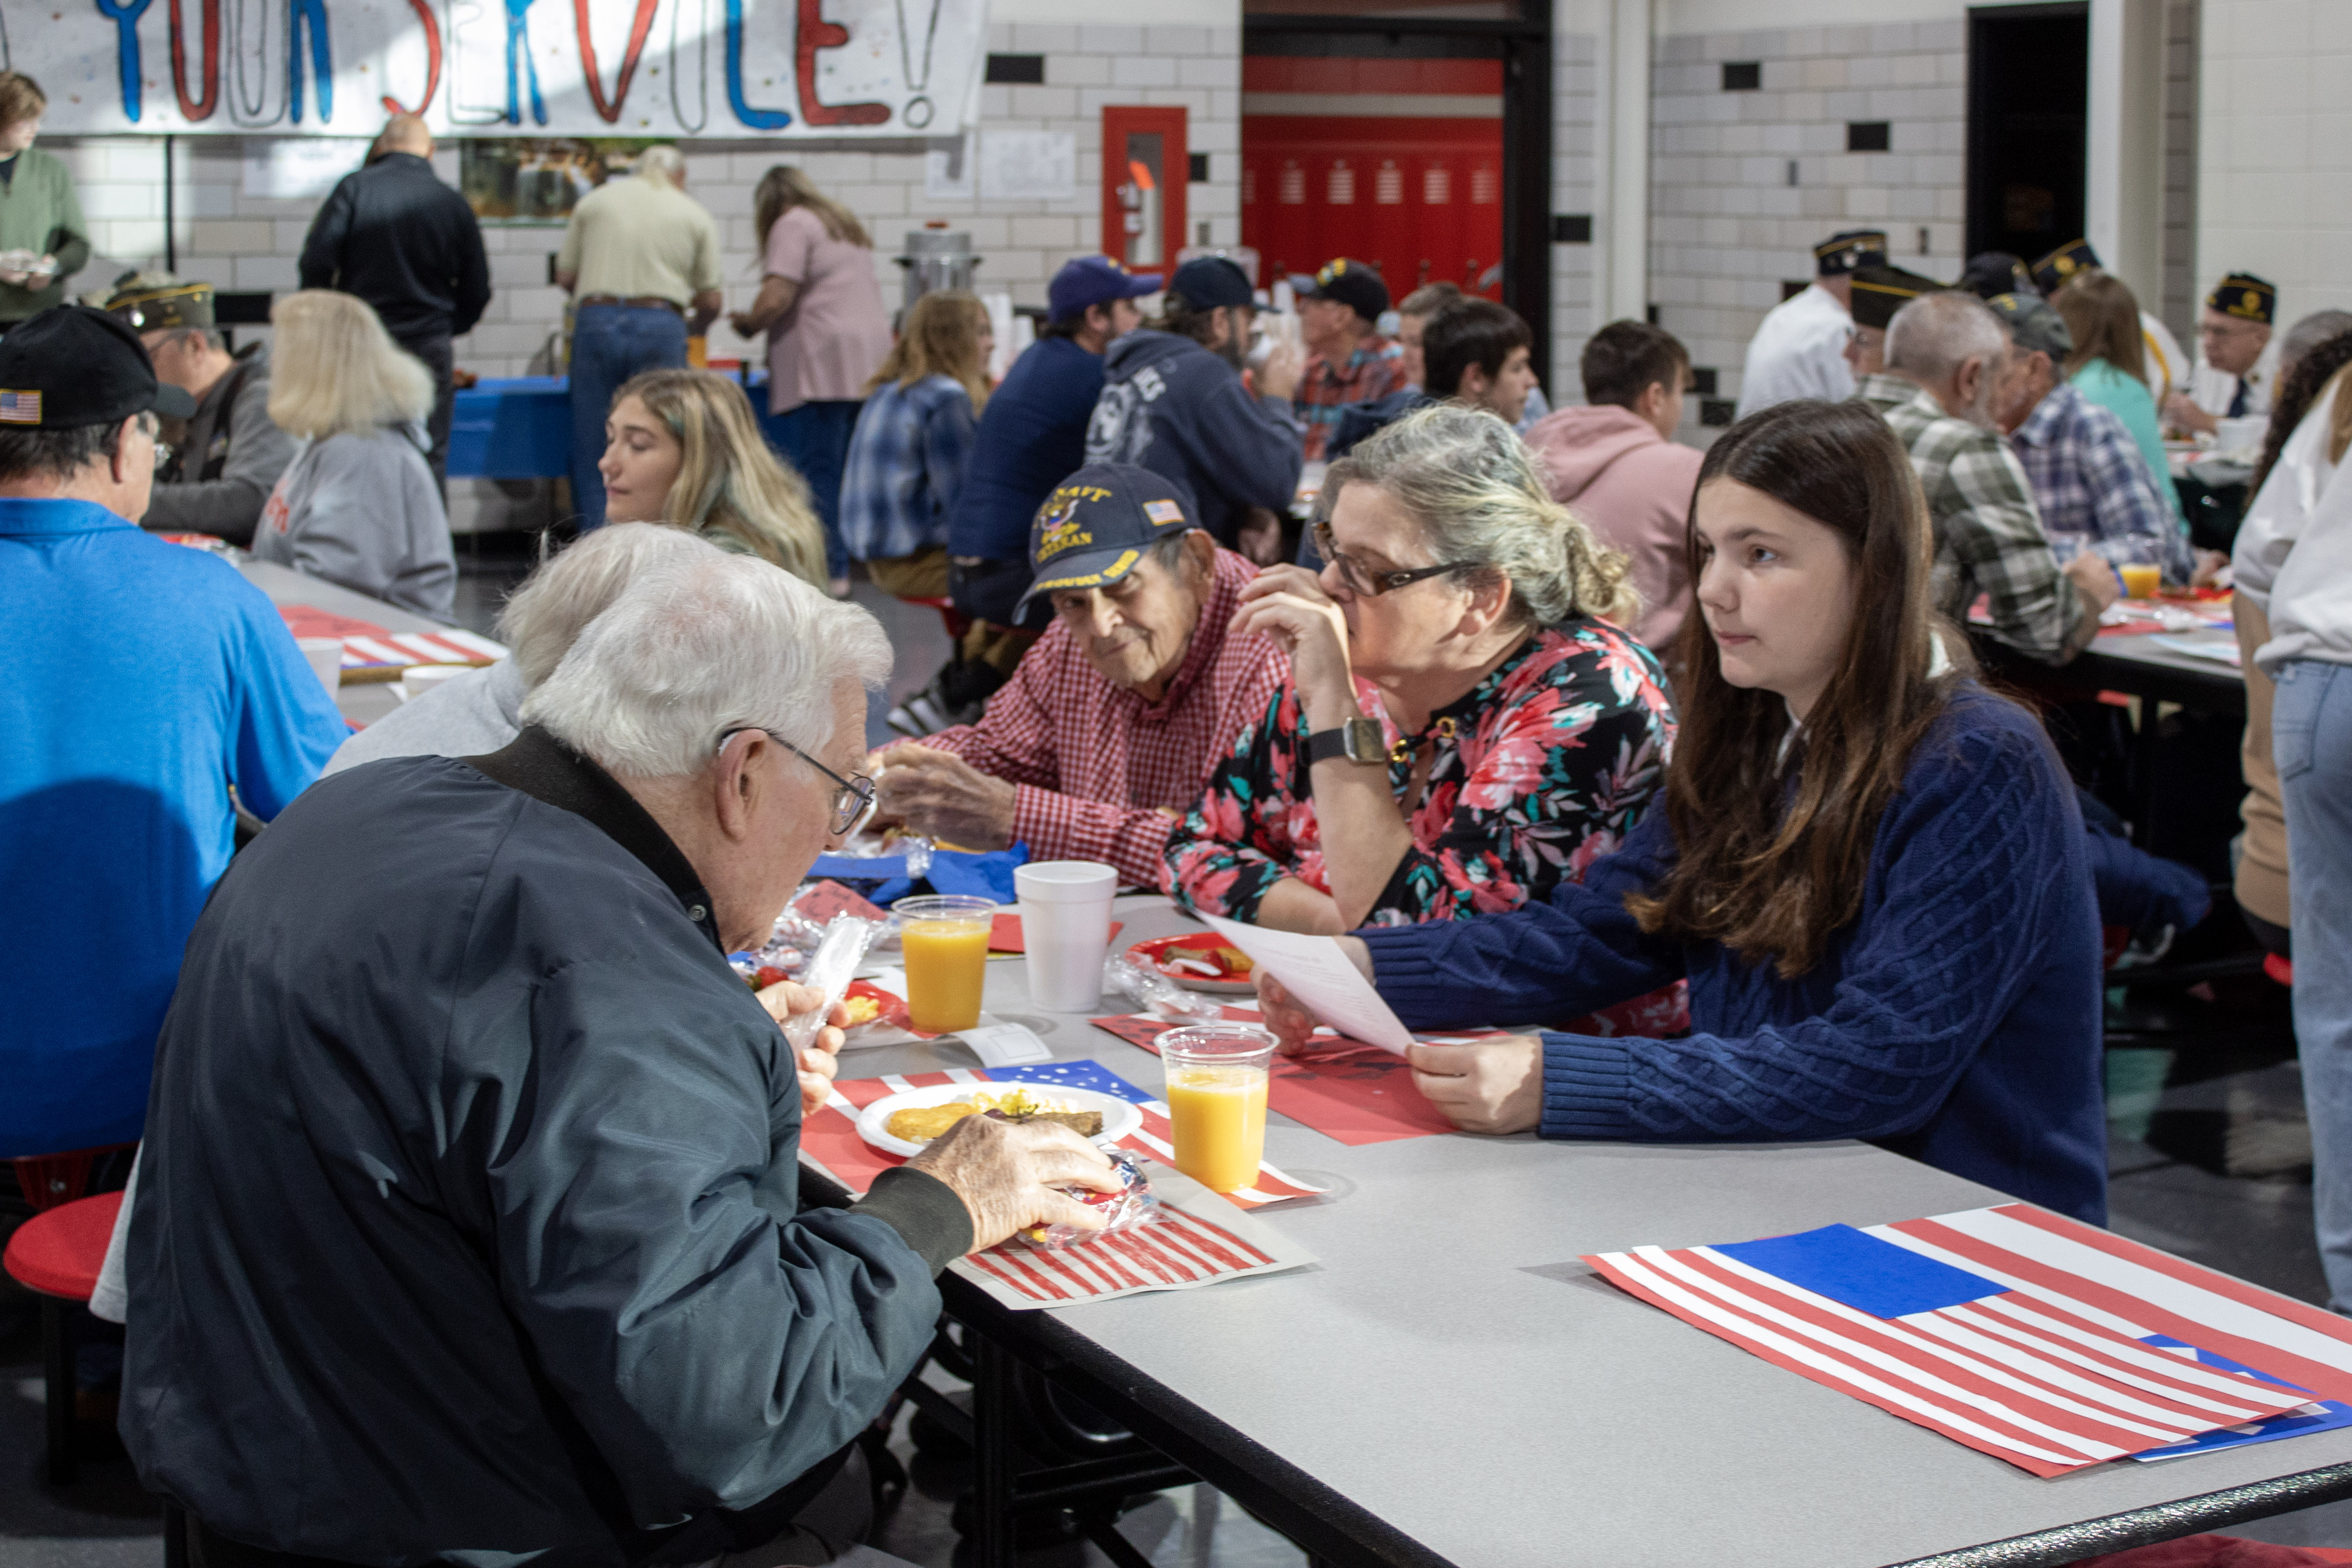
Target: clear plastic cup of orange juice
(944, 940)
(1217, 1075)
(2141, 580)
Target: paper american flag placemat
(371, 653)
(2024, 1334)
(830, 1141)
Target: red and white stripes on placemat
(1185, 1250)
(367, 646)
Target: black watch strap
(1326, 744)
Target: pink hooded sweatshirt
(1632, 488)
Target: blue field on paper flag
(1860, 1270)
(1091, 1075)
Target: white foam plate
(1119, 1117)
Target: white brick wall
(2179, 307)
(1576, 99)
(1726, 227)
(239, 241)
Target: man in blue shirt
(1032, 436)
(147, 681)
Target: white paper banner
(526, 68)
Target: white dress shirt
(1798, 352)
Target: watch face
(1364, 741)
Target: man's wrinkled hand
(821, 1060)
(942, 795)
(1009, 1173)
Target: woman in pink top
(1615, 464)
(820, 305)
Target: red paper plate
(1231, 977)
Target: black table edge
(2147, 1526)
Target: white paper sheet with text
(1316, 971)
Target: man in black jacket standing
(393, 233)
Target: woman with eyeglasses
(1466, 721)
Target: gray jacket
(464, 715)
(361, 511)
(229, 460)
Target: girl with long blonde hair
(358, 505)
(913, 443)
(683, 448)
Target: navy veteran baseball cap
(1848, 249)
(2035, 323)
(2246, 297)
(2053, 270)
(72, 366)
(1098, 524)
(1352, 283)
(1094, 280)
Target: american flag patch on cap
(20, 407)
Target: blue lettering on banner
(322, 57)
(757, 119)
(126, 23)
(518, 54)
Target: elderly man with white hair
(468, 1225)
(1949, 362)
(482, 709)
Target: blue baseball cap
(1098, 524)
(1094, 280)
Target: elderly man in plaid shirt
(1349, 362)
(1109, 728)
(1948, 358)
(2091, 483)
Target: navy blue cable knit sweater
(1955, 1020)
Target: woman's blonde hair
(1470, 483)
(333, 369)
(728, 480)
(940, 337)
(784, 187)
(2103, 317)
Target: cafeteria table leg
(58, 1375)
(991, 1452)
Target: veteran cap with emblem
(1351, 283)
(1099, 523)
(1880, 291)
(2035, 324)
(72, 366)
(157, 301)
(2053, 270)
(2246, 297)
(1849, 251)
(1991, 272)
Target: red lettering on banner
(611, 112)
(424, 10)
(815, 33)
(196, 108)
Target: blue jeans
(815, 439)
(610, 343)
(2311, 737)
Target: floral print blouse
(1541, 770)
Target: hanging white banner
(492, 68)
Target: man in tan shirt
(641, 260)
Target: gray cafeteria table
(1448, 1385)
(366, 700)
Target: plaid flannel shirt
(1988, 538)
(905, 462)
(1375, 369)
(1099, 773)
(2092, 485)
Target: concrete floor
(2209, 1158)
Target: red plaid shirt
(1097, 770)
(1373, 371)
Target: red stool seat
(2278, 968)
(57, 1252)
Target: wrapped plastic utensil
(1155, 993)
(830, 971)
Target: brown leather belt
(636, 302)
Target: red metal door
(1335, 162)
(1145, 167)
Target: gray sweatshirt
(361, 509)
(230, 461)
(464, 715)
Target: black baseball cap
(1848, 249)
(1351, 283)
(1096, 524)
(72, 366)
(1880, 291)
(1206, 282)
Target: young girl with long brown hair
(913, 441)
(1869, 870)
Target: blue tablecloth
(519, 427)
